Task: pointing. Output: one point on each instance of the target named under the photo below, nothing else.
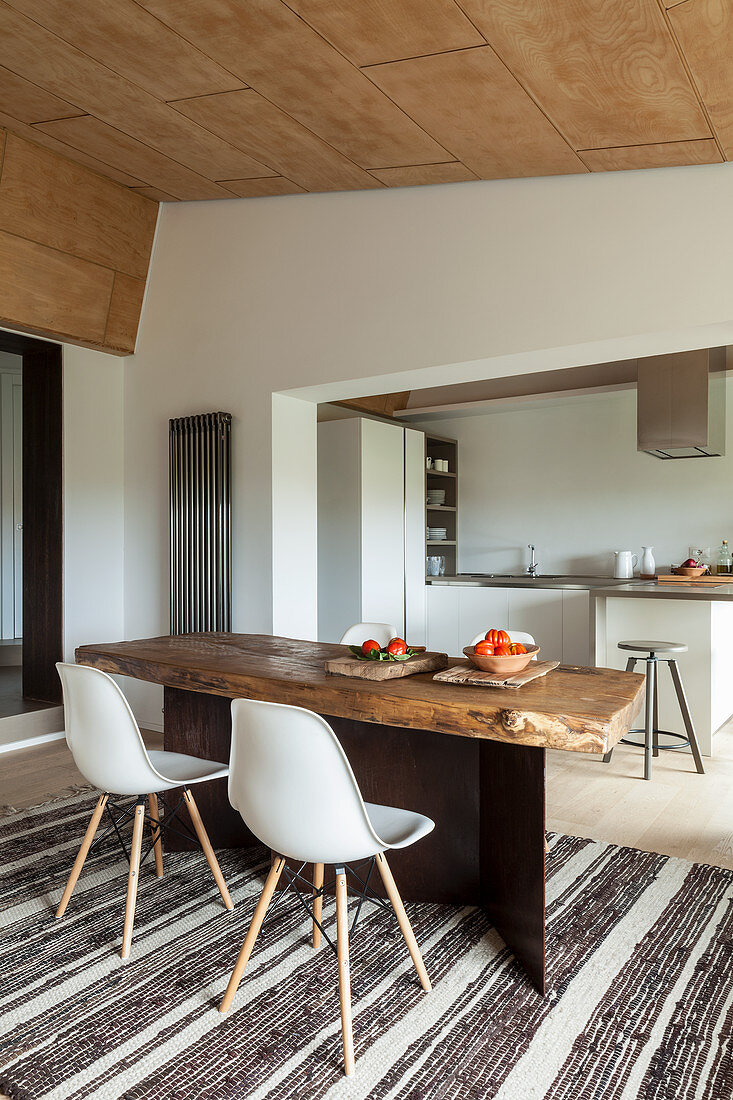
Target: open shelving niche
(438, 446)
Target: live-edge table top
(573, 708)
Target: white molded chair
(290, 780)
(515, 635)
(360, 632)
(109, 751)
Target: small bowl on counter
(689, 570)
(503, 666)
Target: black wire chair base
(366, 894)
(121, 812)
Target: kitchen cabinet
(371, 527)
(557, 619)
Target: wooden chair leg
(133, 876)
(155, 829)
(252, 932)
(342, 951)
(83, 853)
(208, 850)
(317, 902)
(405, 927)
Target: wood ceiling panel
(263, 130)
(129, 40)
(606, 71)
(123, 316)
(668, 155)
(60, 68)
(29, 103)
(475, 108)
(370, 31)
(418, 174)
(270, 48)
(63, 206)
(154, 194)
(272, 185)
(51, 291)
(115, 148)
(704, 29)
(38, 137)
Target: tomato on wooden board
(498, 637)
(369, 645)
(484, 649)
(397, 647)
(517, 647)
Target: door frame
(42, 513)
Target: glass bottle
(724, 558)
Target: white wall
(565, 474)
(93, 506)
(253, 296)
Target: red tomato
(484, 649)
(517, 647)
(369, 645)
(397, 647)
(498, 637)
(502, 651)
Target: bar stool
(650, 734)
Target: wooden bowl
(689, 570)
(502, 666)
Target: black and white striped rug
(641, 971)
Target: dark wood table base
(486, 797)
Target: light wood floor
(678, 813)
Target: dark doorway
(42, 644)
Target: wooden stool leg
(132, 878)
(342, 950)
(208, 850)
(686, 716)
(155, 829)
(252, 932)
(83, 853)
(405, 927)
(317, 902)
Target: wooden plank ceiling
(207, 99)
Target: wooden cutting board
(713, 581)
(467, 674)
(386, 670)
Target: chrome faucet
(532, 567)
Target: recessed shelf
(441, 542)
(439, 473)
(440, 508)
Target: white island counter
(699, 616)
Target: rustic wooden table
(471, 758)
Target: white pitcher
(648, 565)
(625, 564)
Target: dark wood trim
(42, 514)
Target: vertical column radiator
(200, 522)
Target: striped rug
(640, 953)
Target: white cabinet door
(443, 628)
(480, 610)
(382, 524)
(575, 628)
(539, 612)
(415, 622)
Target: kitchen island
(699, 616)
(471, 758)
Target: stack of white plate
(436, 496)
(436, 534)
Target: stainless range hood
(681, 404)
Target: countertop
(583, 583)
(651, 591)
